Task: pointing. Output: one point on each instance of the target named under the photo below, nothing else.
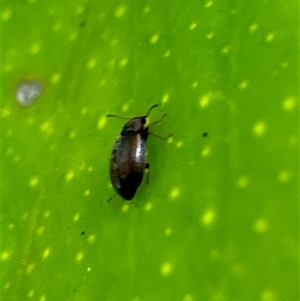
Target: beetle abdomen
(127, 165)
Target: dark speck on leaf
(204, 134)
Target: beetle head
(134, 125)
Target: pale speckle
(285, 176)
(208, 218)
(35, 48)
(293, 140)
(91, 239)
(259, 128)
(11, 226)
(88, 269)
(209, 4)
(5, 112)
(82, 166)
(124, 62)
(270, 37)
(253, 27)
(76, 217)
(154, 39)
(46, 253)
(168, 231)
(9, 151)
(79, 256)
(33, 181)
(206, 151)
(114, 41)
(167, 53)
(32, 1)
(261, 225)
(188, 297)
(6, 285)
(103, 82)
(268, 295)
(70, 175)
(193, 26)
(195, 84)
(55, 78)
(210, 35)
(239, 269)
(175, 192)
(243, 85)
(165, 98)
(73, 36)
(120, 11)
(146, 9)
(289, 104)
(179, 144)
(87, 192)
(170, 140)
(84, 111)
(46, 213)
(226, 49)
(30, 267)
(40, 230)
(31, 293)
(6, 14)
(72, 135)
(166, 268)
(148, 206)
(91, 63)
(80, 9)
(112, 63)
(17, 158)
(90, 169)
(243, 182)
(205, 100)
(101, 122)
(30, 120)
(43, 298)
(284, 64)
(57, 26)
(8, 66)
(125, 107)
(125, 207)
(47, 127)
(5, 255)
(215, 254)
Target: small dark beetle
(128, 158)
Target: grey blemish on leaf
(28, 92)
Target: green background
(219, 218)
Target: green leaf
(219, 218)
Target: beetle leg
(147, 166)
(159, 137)
(111, 198)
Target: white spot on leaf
(28, 92)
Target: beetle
(128, 157)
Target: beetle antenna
(150, 109)
(112, 115)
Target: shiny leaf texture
(219, 216)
